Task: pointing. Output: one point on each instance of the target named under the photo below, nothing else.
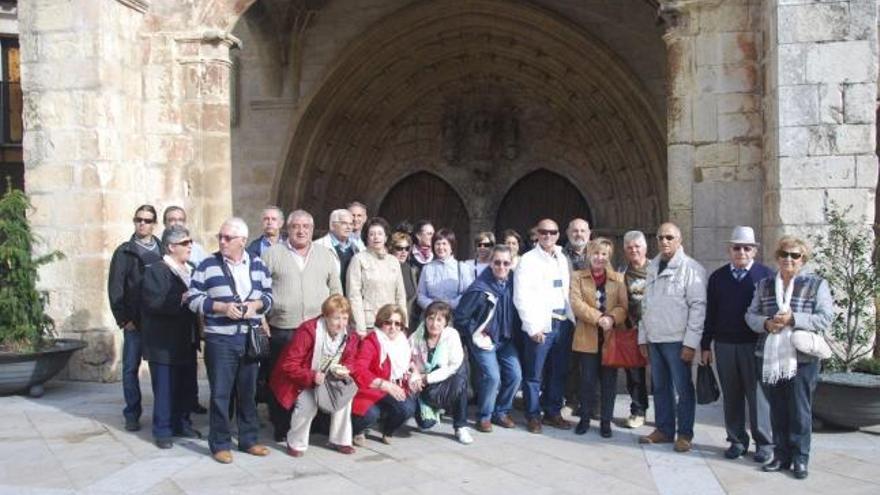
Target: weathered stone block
(739, 125)
(866, 171)
(737, 103)
(859, 103)
(798, 105)
(830, 103)
(681, 176)
(830, 171)
(727, 203)
(705, 119)
(854, 139)
(716, 155)
(861, 200)
(813, 22)
(792, 62)
(847, 61)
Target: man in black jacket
(124, 289)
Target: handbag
(707, 387)
(811, 344)
(621, 349)
(336, 392)
(257, 345)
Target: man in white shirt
(338, 240)
(541, 283)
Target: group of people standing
(394, 315)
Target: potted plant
(29, 353)
(848, 392)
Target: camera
(243, 308)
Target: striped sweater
(210, 285)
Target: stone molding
(139, 5)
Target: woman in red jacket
(381, 370)
(320, 346)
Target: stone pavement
(72, 441)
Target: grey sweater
(299, 293)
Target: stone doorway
(541, 194)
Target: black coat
(124, 283)
(168, 327)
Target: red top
(293, 370)
(366, 369)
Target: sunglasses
(393, 323)
(501, 263)
(485, 244)
(399, 249)
(187, 242)
(665, 237)
(747, 249)
(147, 221)
(547, 232)
(788, 254)
(226, 238)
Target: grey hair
(299, 213)
(501, 249)
(237, 225)
(173, 235)
(336, 215)
(635, 235)
(276, 208)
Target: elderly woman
(483, 244)
(382, 369)
(169, 337)
(598, 300)
(489, 322)
(784, 307)
(400, 247)
(322, 347)
(514, 242)
(445, 278)
(374, 277)
(440, 376)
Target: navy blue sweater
(726, 303)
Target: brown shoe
(534, 426)
(655, 436)
(292, 452)
(344, 449)
(483, 426)
(682, 444)
(258, 450)
(223, 456)
(557, 422)
(505, 422)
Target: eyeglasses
(393, 323)
(227, 238)
(399, 249)
(501, 263)
(485, 244)
(548, 232)
(788, 254)
(666, 237)
(147, 221)
(187, 242)
(745, 248)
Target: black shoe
(735, 451)
(199, 409)
(188, 432)
(800, 470)
(605, 429)
(582, 427)
(164, 443)
(132, 425)
(763, 456)
(775, 465)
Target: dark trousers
(456, 401)
(546, 362)
(279, 416)
(191, 384)
(637, 386)
(593, 374)
(738, 377)
(227, 369)
(395, 413)
(132, 354)
(791, 413)
(171, 399)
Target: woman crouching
(322, 347)
(439, 373)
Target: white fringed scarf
(780, 356)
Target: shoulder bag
(336, 392)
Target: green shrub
(869, 365)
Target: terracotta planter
(850, 400)
(28, 372)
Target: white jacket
(534, 294)
(674, 306)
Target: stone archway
(541, 194)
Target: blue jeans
(500, 377)
(396, 413)
(228, 369)
(548, 359)
(791, 412)
(172, 400)
(132, 354)
(670, 376)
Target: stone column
(820, 113)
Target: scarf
(327, 350)
(504, 319)
(780, 356)
(420, 352)
(397, 351)
(183, 272)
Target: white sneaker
(635, 421)
(463, 435)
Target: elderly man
(673, 311)
(728, 296)
(541, 282)
(271, 220)
(124, 290)
(339, 241)
(359, 217)
(303, 276)
(231, 290)
(635, 250)
(578, 234)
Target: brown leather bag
(621, 349)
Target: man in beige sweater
(303, 276)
